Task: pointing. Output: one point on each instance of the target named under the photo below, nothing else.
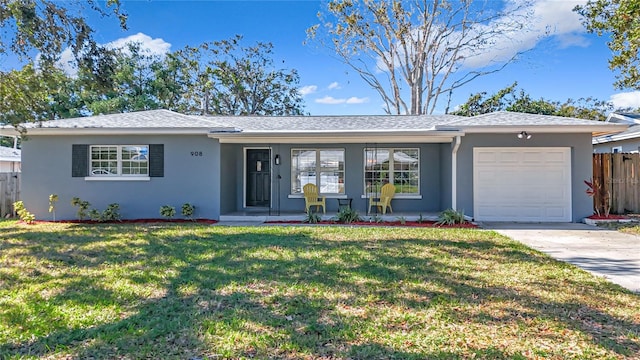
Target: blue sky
(567, 63)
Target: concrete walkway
(607, 253)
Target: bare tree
(413, 51)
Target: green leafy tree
(512, 99)
(47, 27)
(414, 52)
(7, 141)
(37, 32)
(479, 103)
(247, 83)
(128, 85)
(619, 18)
(32, 94)
(224, 77)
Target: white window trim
(397, 196)
(317, 150)
(616, 149)
(328, 196)
(119, 176)
(417, 195)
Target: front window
(324, 168)
(119, 160)
(398, 166)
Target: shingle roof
(171, 122)
(9, 154)
(505, 118)
(631, 133)
(330, 123)
(138, 119)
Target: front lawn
(189, 291)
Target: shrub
(23, 213)
(112, 213)
(167, 211)
(311, 217)
(451, 217)
(53, 199)
(95, 215)
(347, 215)
(83, 207)
(188, 210)
(601, 197)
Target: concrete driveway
(608, 253)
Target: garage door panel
(508, 158)
(522, 184)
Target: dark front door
(258, 177)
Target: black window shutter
(79, 160)
(156, 160)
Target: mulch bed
(129, 221)
(609, 217)
(430, 224)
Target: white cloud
(330, 100)
(543, 19)
(333, 101)
(154, 47)
(356, 100)
(306, 90)
(626, 100)
(549, 19)
(334, 86)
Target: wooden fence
(9, 192)
(619, 175)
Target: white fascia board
(8, 131)
(603, 139)
(553, 129)
(116, 131)
(336, 138)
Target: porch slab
(266, 216)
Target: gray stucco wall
(631, 145)
(187, 178)
(430, 179)
(581, 163)
(445, 175)
(230, 167)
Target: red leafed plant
(601, 197)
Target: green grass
(629, 228)
(193, 291)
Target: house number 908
(196, 153)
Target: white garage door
(522, 184)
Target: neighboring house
(496, 167)
(626, 141)
(9, 159)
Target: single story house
(627, 141)
(502, 166)
(9, 159)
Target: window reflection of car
(100, 172)
(140, 157)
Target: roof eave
(332, 137)
(115, 131)
(561, 129)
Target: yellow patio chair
(386, 194)
(312, 198)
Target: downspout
(454, 173)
